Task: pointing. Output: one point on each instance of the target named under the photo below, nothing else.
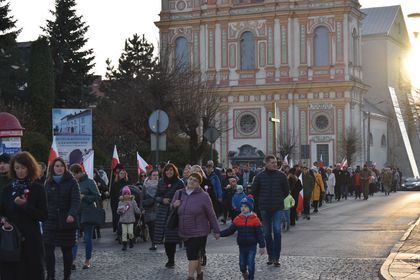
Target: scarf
(57, 178)
(21, 187)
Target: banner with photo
(72, 129)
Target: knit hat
(126, 190)
(239, 188)
(248, 201)
(5, 158)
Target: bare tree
(287, 145)
(352, 145)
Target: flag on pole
(141, 164)
(321, 162)
(299, 207)
(87, 163)
(115, 158)
(286, 159)
(344, 163)
(53, 152)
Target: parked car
(411, 184)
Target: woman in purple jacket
(196, 218)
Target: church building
(289, 72)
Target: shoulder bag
(10, 244)
(172, 222)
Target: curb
(384, 271)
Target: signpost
(212, 134)
(158, 124)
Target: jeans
(247, 259)
(87, 236)
(285, 218)
(272, 224)
(50, 259)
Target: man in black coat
(270, 188)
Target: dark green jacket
(90, 192)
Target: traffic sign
(212, 134)
(158, 121)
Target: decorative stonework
(303, 136)
(185, 31)
(314, 22)
(302, 44)
(258, 27)
(322, 122)
(326, 106)
(283, 44)
(270, 52)
(339, 42)
(247, 123)
(224, 48)
(196, 55)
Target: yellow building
(301, 57)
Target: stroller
(140, 227)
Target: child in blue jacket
(250, 232)
(236, 200)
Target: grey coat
(127, 209)
(149, 202)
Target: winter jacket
(195, 214)
(149, 203)
(330, 183)
(270, 188)
(115, 192)
(250, 231)
(90, 192)
(236, 200)
(217, 185)
(63, 200)
(127, 210)
(308, 185)
(318, 187)
(27, 218)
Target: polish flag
(87, 163)
(344, 163)
(286, 159)
(299, 207)
(141, 164)
(115, 158)
(53, 152)
(321, 162)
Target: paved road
(345, 240)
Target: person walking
(24, 205)
(127, 209)
(166, 189)
(339, 180)
(270, 188)
(250, 232)
(63, 197)
(357, 183)
(149, 204)
(121, 180)
(196, 218)
(330, 185)
(387, 180)
(365, 176)
(308, 187)
(295, 187)
(90, 196)
(318, 189)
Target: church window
(247, 51)
(321, 46)
(181, 52)
(383, 141)
(322, 122)
(247, 124)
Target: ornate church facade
(289, 72)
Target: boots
(98, 232)
(200, 276)
(124, 248)
(131, 243)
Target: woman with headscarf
(63, 198)
(24, 205)
(166, 189)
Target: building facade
(289, 72)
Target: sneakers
(153, 248)
(270, 261)
(200, 276)
(245, 275)
(276, 263)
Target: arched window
(247, 51)
(370, 139)
(383, 141)
(321, 47)
(354, 46)
(181, 52)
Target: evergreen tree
(72, 61)
(41, 85)
(11, 69)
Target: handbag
(93, 216)
(172, 221)
(10, 244)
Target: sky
(112, 22)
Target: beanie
(248, 201)
(126, 190)
(5, 158)
(239, 188)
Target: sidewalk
(404, 259)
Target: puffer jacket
(270, 188)
(249, 229)
(127, 209)
(318, 187)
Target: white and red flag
(115, 158)
(286, 159)
(299, 207)
(53, 152)
(141, 164)
(321, 162)
(87, 163)
(344, 163)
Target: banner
(72, 129)
(10, 145)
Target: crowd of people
(54, 208)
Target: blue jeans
(87, 237)
(285, 218)
(272, 224)
(247, 259)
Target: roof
(379, 20)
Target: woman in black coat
(24, 205)
(166, 189)
(295, 188)
(63, 198)
(120, 181)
